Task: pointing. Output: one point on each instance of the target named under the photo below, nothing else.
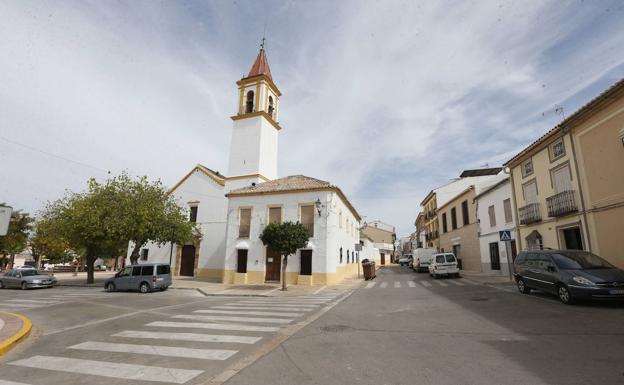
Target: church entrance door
(187, 263)
(273, 266)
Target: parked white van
(422, 259)
(443, 264)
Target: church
(231, 210)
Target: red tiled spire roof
(260, 66)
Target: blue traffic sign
(505, 235)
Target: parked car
(570, 274)
(144, 278)
(443, 264)
(26, 279)
(24, 267)
(422, 259)
(405, 260)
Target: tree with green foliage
(149, 214)
(45, 241)
(100, 221)
(16, 239)
(285, 238)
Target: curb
(8, 343)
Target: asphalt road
(84, 335)
(408, 328)
(401, 328)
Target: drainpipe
(578, 179)
(507, 171)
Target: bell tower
(253, 149)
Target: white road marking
(234, 319)
(370, 284)
(397, 284)
(319, 290)
(411, 284)
(425, 283)
(167, 351)
(34, 301)
(3, 382)
(188, 337)
(441, 283)
(296, 301)
(383, 285)
(276, 304)
(213, 326)
(469, 281)
(456, 283)
(109, 369)
(24, 305)
(237, 307)
(243, 312)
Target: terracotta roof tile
(260, 66)
(289, 183)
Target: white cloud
(386, 99)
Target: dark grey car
(26, 279)
(570, 274)
(144, 278)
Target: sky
(386, 99)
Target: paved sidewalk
(488, 278)
(13, 327)
(80, 279)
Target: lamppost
(172, 239)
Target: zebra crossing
(420, 283)
(213, 332)
(33, 299)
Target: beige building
(432, 233)
(383, 237)
(459, 230)
(569, 184)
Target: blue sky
(385, 99)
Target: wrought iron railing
(561, 204)
(243, 231)
(310, 228)
(530, 214)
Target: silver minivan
(144, 278)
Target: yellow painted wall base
(210, 275)
(307, 280)
(240, 278)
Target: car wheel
(110, 287)
(24, 286)
(144, 288)
(456, 275)
(164, 288)
(522, 287)
(564, 295)
(1, 285)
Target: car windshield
(580, 260)
(450, 258)
(440, 259)
(29, 272)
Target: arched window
(250, 102)
(341, 255)
(340, 219)
(347, 256)
(271, 108)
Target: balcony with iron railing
(309, 228)
(530, 214)
(561, 204)
(243, 231)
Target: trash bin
(369, 270)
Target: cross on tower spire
(262, 44)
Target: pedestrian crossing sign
(505, 235)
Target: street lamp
(317, 204)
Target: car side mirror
(18, 276)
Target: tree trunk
(134, 256)
(284, 264)
(11, 261)
(116, 263)
(90, 262)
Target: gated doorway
(273, 266)
(187, 262)
(494, 256)
(383, 258)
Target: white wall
(253, 148)
(489, 234)
(325, 245)
(208, 195)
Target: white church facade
(231, 211)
